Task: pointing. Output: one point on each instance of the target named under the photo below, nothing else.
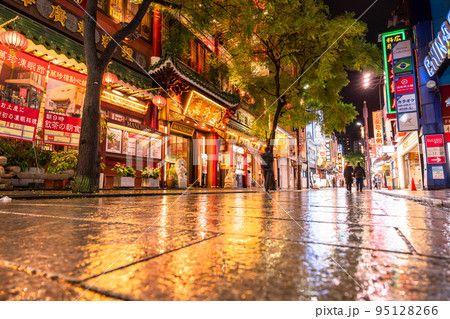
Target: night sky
(376, 19)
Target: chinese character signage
(388, 39)
(67, 76)
(61, 129)
(23, 61)
(405, 87)
(18, 122)
(201, 108)
(377, 128)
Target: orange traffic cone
(413, 185)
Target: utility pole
(366, 142)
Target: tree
(291, 59)
(355, 157)
(88, 169)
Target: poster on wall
(114, 146)
(155, 148)
(22, 80)
(129, 143)
(61, 130)
(438, 172)
(142, 146)
(65, 91)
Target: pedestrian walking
(348, 176)
(267, 167)
(359, 174)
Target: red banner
(61, 130)
(17, 121)
(24, 60)
(67, 75)
(405, 85)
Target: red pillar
(154, 123)
(156, 41)
(245, 168)
(215, 157)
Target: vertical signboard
(377, 128)
(405, 87)
(388, 39)
(435, 149)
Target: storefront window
(178, 148)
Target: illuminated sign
(18, 122)
(388, 39)
(61, 130)
(405, 87)
(377, 128)
(183, 129)
(201, 108)
(439, 49)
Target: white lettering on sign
(438, 52)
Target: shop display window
(114, 146)
(142, 146)
(128, 143)
(155, 148)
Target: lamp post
(366, 143)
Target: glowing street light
(366, 80)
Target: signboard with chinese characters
(24, 61)
(18, 122)
(61, 129)
(65, 91)
(435, 148)
(201, 108)
(388, 39)
(183, 129)
(405, 87)
(377, 128)
(328, 148)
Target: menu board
(61, 130)
(18, 122)
(129, 143)
(156, 148)
(114, 146)
(142, 146)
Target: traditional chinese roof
(235, 125)
(54, 41)
(173, 74)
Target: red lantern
(14, 41)
(254, 139)
(159, 101)
(110, 79)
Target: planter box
(150, 182)
(123, 181)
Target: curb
(426, 200)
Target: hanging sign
(435, 149)
(405, 87)
(18, 122)
(201, 108)
(24, 60)
(61, 129)
(377, 128)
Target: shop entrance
(180, 147)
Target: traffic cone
(413, 185)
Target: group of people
(358, 172)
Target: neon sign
(387, 39)
(439, 49)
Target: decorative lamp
(109, 79)
(159, 101)
(254, 139)
(14, 41)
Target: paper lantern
(110, 79)
(14, 41)
(159, 101)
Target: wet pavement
(308, 245)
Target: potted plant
(150, 177)
(61, 163)
(171, 175)
(125, 175)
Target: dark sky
(376, 19)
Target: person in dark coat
(267, 167)
(348, 176)
(359, 174)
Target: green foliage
(22, 154)
(62, 161)
(354, 158)
(154, 173)
(123, 170)
(290, 57)
(171, 172)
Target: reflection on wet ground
(325, 245)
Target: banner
(61, 130)
(18, 122)
(377, 128)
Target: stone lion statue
(180, 167)
(230, 179)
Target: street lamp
(366, 144)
